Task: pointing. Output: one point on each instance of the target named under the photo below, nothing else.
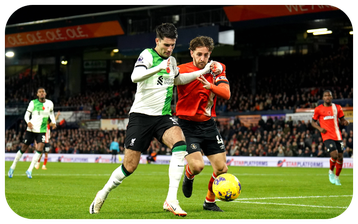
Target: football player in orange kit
(328, 114)
(195, 109)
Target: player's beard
(200, 65)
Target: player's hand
(206, 83)
(53, 125)
(30, 125)
(345, 123)
(322, 130)
(206, 69)
(164, 64)
(172, 65)
(216, 68)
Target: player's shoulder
(186, 65)
(319, 107)
(49, 101)
(339, 107)
(146, 53)
(144, 58)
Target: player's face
(41, 94)
(165, 47)
(327, 97)
(200, 56)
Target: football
(226, 187)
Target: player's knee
(180, 146)
(222, 169)
(197, 167)
(131, 167)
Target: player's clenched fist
(216, 68)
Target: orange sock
(338, 167)
(45, 161)
(332, 164)
(210, 196)
(188, 173)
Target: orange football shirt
(328, 119)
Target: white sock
(35, 158)
(17, 158)
(114, 181)
(176, 168)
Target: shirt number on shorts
(220, 140)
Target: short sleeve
(30, 108)
(315, 114)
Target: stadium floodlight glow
(10, 54)
(316, 30)
(115, 50)
(351, 32)
(322, 32)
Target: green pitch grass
(66, 190)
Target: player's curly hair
(167, 30)
(202, 41)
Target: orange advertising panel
(78, 32)
(238, 13)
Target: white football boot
(96, 204)
(173, 207)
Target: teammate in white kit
(155, 73)
(40, 110)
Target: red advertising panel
(239, 13)
(60, 34)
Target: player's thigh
(218, 162)
(139, 132)
(40, 139)
(131, 160)
(29, 138)
(331, 148)
(196, 162)
(172, 136)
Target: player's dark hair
(202, 41)
(41, 88)
(167, 30)
(327, 91)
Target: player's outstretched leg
(13, 165)
(118, 175)
(209, 203)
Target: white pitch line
(269, 203)
(300, 197)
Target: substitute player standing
(40, 110)
(327, 114)
(155, 73)
(196, 109)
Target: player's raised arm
(185, 78)
(141, 73)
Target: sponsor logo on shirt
(328, 117)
